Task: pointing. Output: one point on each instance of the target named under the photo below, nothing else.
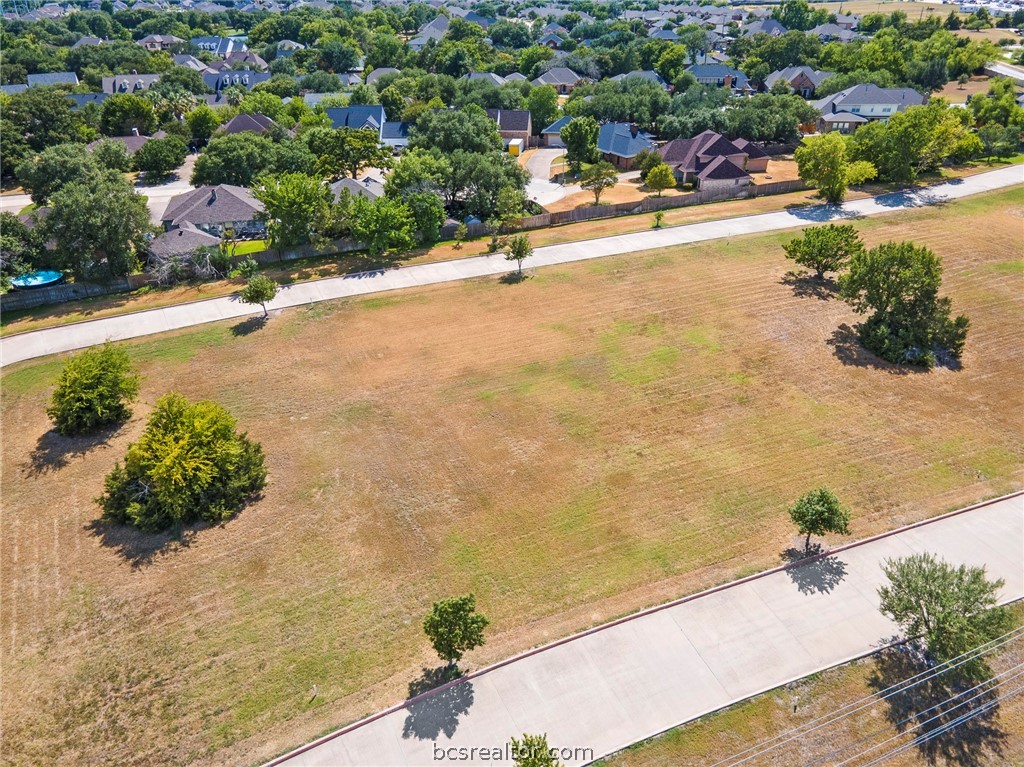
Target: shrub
(189, 464)
(94, 390)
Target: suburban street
(540, 188)
(617, 685)
(39, 343)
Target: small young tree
(660, 178)
(259, 290)
(659, 219)
(454, 627)
(95, 390)
(953, 609)
(461, 233)
(962, 80)
(819, 512)
(190, 463)
(599, 177)
(533, 751)
(519, 249)
(825, 248)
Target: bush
(94, 390)
(189, 464)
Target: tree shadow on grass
(848, 349)
(53, 451)
(925, 710)
(137, 548)
(437, 712)
(817, 576)
(513, 278)
(249, 326)
(807, 285)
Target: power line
(815, 724)
(930, 719)
(925, 737)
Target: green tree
(261, 103)
(825, 248)
(519, 249)
(190, 464)
(236, 158)
(446, 130)
(98, 226)
(347, 151)
(292, 204)
(123, 112)
(533, 751)
(454, 627)
(645, 161)
(580, 139)
(36, 119)
(51, 170)
(543, 105)
(427, 209)
(953, 609)
(113, 155)
(598, 177)
(660, 178)
(823, 161)
(819, 512)
(383, 225)
(899, 284)
(20, 247)
(997, 141)
(159, 156)
(259, 289)
(202, 122)
(95, 389)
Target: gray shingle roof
(52, 78)
(219, 204)
(622, 140)
(181, 240)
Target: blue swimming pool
(40, 279)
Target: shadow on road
(950, 722)
(439, 712)
(816, 577)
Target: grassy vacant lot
(725, 734)
(601, 437)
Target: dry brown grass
(862, 7)
(778, 170)
(630, 190)
(723, 735)
(954, 93)
(599, 438)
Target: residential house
(128, 83)
(191, 62)
(380, 72)
(218, 46)
(664, 34)
(432, 30)
(767, 26)
(721, 76)
(245, 78)
(159, 42)
(515, 77)
(132, 143)
(512, 124)
(370, 188)
(286, 48)
(83, 99)
(552, 134)
(181, 241)
(643, 74)
(829, 33)
(83, 42)
(713, 162)
(620, 143)
(395, 134)
(562, 78)
(371, 117)
(552, 41)
(218, 210)
(10, 90)
(848, 109)
(242, 123)
(801, 80)
(51, 78)
(242, 60)
(488, 77)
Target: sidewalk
(39, 343)
(627, 681)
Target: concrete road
(540, 188)
(610, 687)
(13, 203)
(65, 338)
(1002, 69)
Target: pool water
(37, 279)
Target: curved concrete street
(40, 343)
(624, 682)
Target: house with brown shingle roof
(244, 122)
(711, 161)
(215, 209)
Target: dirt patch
(598, 438)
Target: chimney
(213, 195)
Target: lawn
(727, 734)
(601, 437)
